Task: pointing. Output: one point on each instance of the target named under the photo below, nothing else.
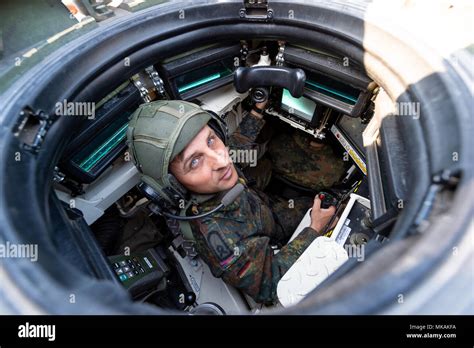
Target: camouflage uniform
(236, 242)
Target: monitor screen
(203, 75)
(301, 107)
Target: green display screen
(301, 107)
(334, 89)
(203, 75)
(202, 81)
(102, 144)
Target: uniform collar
(205, 203)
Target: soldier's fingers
(317, 203)
(261, 105)
(329, 210)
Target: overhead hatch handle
(265, 76)
(256, 10)
(32, 127)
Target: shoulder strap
(186, 230)
(185, 226)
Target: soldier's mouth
(227, 174)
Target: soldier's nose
(220, 159)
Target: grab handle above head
(264, 76)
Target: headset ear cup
(179, 191)
(217, 130)
(156, 192)
(219, 126)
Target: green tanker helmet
(157, 132)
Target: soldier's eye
(211, 140)
(194, 163)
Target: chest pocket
(249, 217)
(242, 218)
(260, 214)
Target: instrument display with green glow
(332, 88)
(204, 75)
(102, 144)
(345, 97)
(302, 107)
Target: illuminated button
(148, 262)
(123, 277)
(126, 269)
(123, 263)
(119, 271)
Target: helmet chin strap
(227, 199)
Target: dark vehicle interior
(96, 178)
(88, 204)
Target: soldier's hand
(262, 105)
(320, 217)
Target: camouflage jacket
(236, 242)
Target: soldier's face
(204, 166)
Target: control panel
(139, 272)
